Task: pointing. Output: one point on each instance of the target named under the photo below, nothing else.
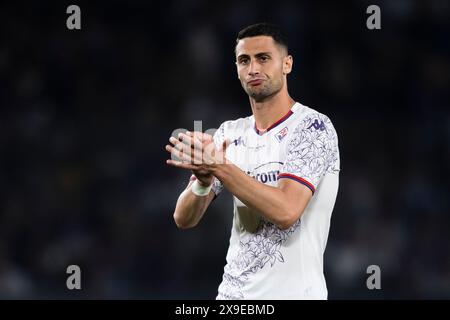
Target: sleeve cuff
(298, 179)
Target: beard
(264, 91)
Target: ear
(288, 61)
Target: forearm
(190, 208)
(269, 201)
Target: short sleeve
(219, 137)
(311, 152)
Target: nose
(253, 68)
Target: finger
(207, 137)
(192, 141)
(194, 133)
(169, 148)
(197, 139)
(194, 156)
(197, 156)
(203, 137)
(176, 143)
(221, 154)
(185, 139)
(175, 153)
(226, 144)
(182, 165)
(174, 140)
(183, 147)
(193, 147)
(209, 153)
(190, 156)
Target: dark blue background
(85, 115)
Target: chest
(260, 156)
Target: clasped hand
(196, 151)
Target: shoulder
(314, 136)
(237, 124)
(312, 127)
(232, 126)
(311, 120)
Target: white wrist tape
(200, 191)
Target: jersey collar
(276, 123)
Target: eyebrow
(258, 55)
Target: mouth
(255, 82)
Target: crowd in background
(85, 116)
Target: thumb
(225, 145)
(223, 149)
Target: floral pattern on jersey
(313, 150)
(263, 248)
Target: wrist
(200, 190)
(205, 184)
(218, 170)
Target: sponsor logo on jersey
(318, 126)
(266, 172)
(264, 177)
(281, 134)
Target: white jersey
(263, 261)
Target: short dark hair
(264, 29)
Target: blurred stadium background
(85, 116)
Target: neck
(269, 111)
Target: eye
(263, 58)
(243, 61)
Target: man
(282, 166)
